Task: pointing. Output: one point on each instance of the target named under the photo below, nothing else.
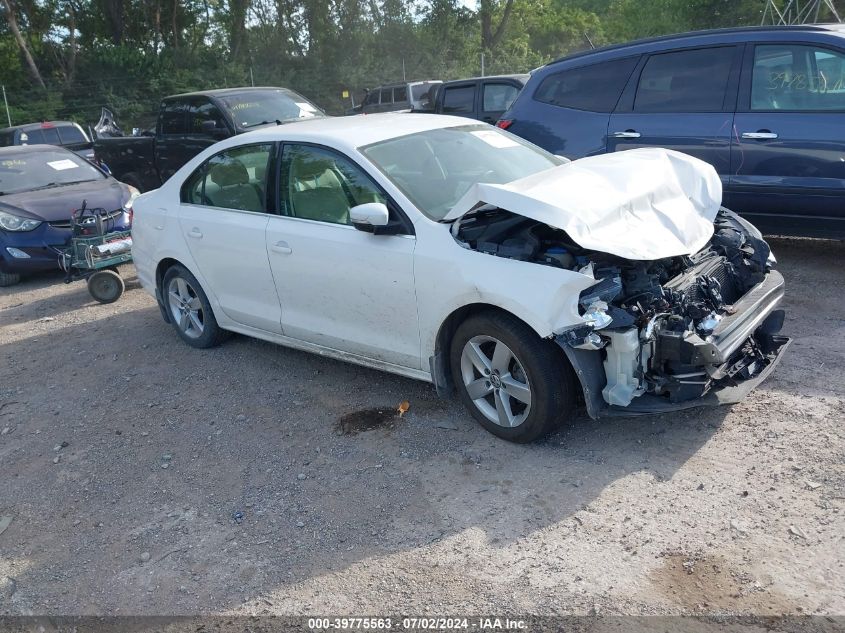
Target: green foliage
(127, 54)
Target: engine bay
(651, 321)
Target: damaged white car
(461, 255)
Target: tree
(16, 33)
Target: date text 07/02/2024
(416, 624)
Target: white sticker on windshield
(306, 107)
(495, 139)
(61, 165)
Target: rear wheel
(106, 286)
(517, 385)
(9, 279)
(189, 309)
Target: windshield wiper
(276, 121)
(51, 185)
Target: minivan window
(794, 77)
(595, 88)
(386, 96)
(685, 81)
(400, 94)
(459, 99)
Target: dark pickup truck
(481, 98)
(188, 123)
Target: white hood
(641, 204)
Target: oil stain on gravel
(367, 420)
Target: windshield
(435, 168)
(29, 169)
(258, 107)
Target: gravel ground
(145, 477)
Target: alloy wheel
(185, 307)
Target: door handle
(762, 134)
(281, 247)
(626, 134)
(195, 232)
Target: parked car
(188, 123)
(40, 186)
(481, 98)
(382, 241)
(406, 95)
(62, 133)
(763, 105)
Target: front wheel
(189, 309)
(9, 279)
(517, 385)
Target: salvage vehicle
(40, 187)
(189, 123)
(62, 133)
(482, 98)
(764, 105)
(459, 254)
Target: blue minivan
(764, 105)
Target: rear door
(682, 100)
(496, 97)
(223, 216)
(170, 153)
(789, 147)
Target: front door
(223, 216)
(340, 287)
(789, 149)
(682, 100)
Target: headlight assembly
(9, 222)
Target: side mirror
(564, 159)
(367, 217)
(210, 128)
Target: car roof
(523, 77)
(351, 132)
(732, 33)
(223, 92)
(18, 149)
(34, 126)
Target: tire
(189, 309)
(529, 390)
(9, 279)
(106, 286)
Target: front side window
(200, 113)
(436, 167)
(499, 97)
(459, 99)
(322, 185)
(795, 77)
(595, 88)
(372, 98)
(234, 179)
(685, 81)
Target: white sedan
(457, 253)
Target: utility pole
(5, 101)
(482, 64)
(403, 69)
(251, 78)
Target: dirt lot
(125, 457)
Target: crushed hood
(640, 204)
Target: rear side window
(595, 88)
(386, 96)
(70, 135)
(459, 99)
(234, 179)
(173, 118)
(798, 78)
(685, 81)
(400, 94)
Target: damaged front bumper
(721, 368)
